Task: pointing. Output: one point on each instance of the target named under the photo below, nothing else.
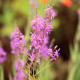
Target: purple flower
(37, 24)
(55, 54)
(44, 51)
(18, 44)
(79, 2)
(19, 64)
(2, 55)
(38, 61)
(49, 13)
(32, 56)
(39, 37)
(20, 76)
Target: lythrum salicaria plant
(39, 49)
(18, 46)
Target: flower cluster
(18, 44)
(20, 76)
(39, 43)
(49, 13)
(39, 37)
(54, 54)
(2, 55)
(19, 64)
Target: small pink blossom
(50, 13)
(19, 64)
(2, 55)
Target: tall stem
(1, 73)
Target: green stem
(1, 73)
(33, 74)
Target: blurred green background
(65, 33)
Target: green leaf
(77, 73)
(42, 69)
